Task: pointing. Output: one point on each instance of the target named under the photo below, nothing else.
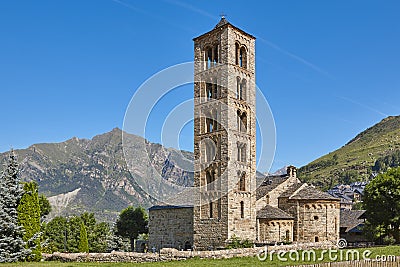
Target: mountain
(91, 175)
(355, 160)
(280, 171)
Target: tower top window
(240, 55)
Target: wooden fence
(364, 263)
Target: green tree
(382, 202)
(83, 239)
(116, 242)
(98, 238)
(132, 222)
(29, 217)
(358, 206)
(73, 234)
(55, 235)
(62, 234)
(97, 232)
(12, 245)
(45, 207)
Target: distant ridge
(354, 160)
(91, 175)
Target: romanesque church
(232, 201)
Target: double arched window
(212, 90)
(210, 179)
(211, 119)
(240, 55)
(211, 56)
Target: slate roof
(290, 191)
(161, 207)
(350, 219)
(269, 212)
(305, 191)
(270, 183)
(309, 192)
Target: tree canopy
(382, 202)
(132, 222)
(45, 207)
(66, 234)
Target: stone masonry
(228, 204)
(224, 127)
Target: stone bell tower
(224, 136)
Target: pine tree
(56, 235)
(116, 242)
(83, 239)
(12, 245)
(29, 217)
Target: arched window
(243, 86)
(209, 57)
(237, 52)
(209, 125)
(241, 209)
(238, 115)
(243, 152)
(287, 236)
(238, 86)
(216, 91)
(209, 90)
(242, 121)
(242, 181)
(211, 210)
(210, 178)
(210, 150)
(215, 59)
(243, 57)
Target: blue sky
(329, 69)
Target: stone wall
(168, 254)
(271, 231)
(171, 227)
(314, 220)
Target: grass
(245, 261)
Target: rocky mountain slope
(356, 159)
(91, 175)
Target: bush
(389, 240)
(236, 242)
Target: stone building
(224, 135)
(305, 213)
(171, 227)
(228, 203)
